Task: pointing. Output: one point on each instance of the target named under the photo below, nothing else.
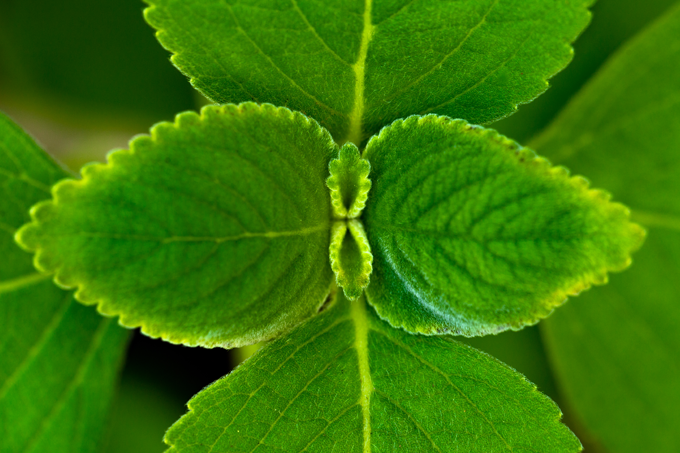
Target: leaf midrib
(355, 134)
(360, 321)
(168, 240)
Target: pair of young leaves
(467, 228)
(470, 233)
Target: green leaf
(348, 182)
(351, 257)
(345, 381)
(357, 65)
(473, 234)
(350, 252)
(213, 231)
(616, 349)
(59, 361)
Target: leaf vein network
(480, 81)
(214, 59)
(448, 380)
(302, 390)
(283, 362)
(275, 66)
(406, 87)
(415, 423)
(305, 19)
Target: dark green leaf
(617, 349)
(345, 381)
(474, 234)
(212, 231)
(58, 360)
(357, 65)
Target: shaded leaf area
(347, 381)
(356, 66)
(616, 350)
(474, 234)
(58, 360)
(212, 231)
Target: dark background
(85, 76)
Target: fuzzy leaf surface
(616, 350)
(345, 381)
(357, 65)
(473, 234)
(59, 361)
(213, 231)
(349, 183)
(351, 257)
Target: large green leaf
(355, 66)
(616, 350)
(212, 231)
(58, 360)
(473, 234)
(345, 381)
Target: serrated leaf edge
(60, 191)
(338, 232)
(335, 167)
(526, 156)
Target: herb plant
(341, 204)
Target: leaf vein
(448, 380)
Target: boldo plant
(341, 202)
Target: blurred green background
(83, 77)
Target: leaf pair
(216, 230)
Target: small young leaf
(348, 182)
(357, 65)
(213, 231)
(616, 351)
(351, 257)
(345, 381)
(473, 234)
(59, 361)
